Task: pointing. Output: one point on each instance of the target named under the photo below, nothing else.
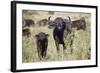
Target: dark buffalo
(42, 44)
(43, 22)
(27, 23)
(79, 24)
(60, 25)
(26, 32)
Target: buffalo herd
(61, 27)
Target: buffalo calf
(42, 44)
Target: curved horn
(49, 18)
(69, 18)
(50, 22)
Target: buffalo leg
(64, 47)
(39, 54)
(45, 53)
(57, 46)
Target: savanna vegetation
(81, 41)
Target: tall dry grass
(81, 41)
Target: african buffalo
(60, 25)
(27, 23)
(43, 22)
(42, 44)
(79, 24)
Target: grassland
(81, 41)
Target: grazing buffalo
(26, 32)
(43, 22)
(42, 44)
(60, 25)
(27, 23)
(79, 24)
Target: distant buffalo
(42, 44)
(26, 32)
(43, 22)
(60, 25)
(79, 24)
(27, 23)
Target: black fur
(42, 44)
(58, 32)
